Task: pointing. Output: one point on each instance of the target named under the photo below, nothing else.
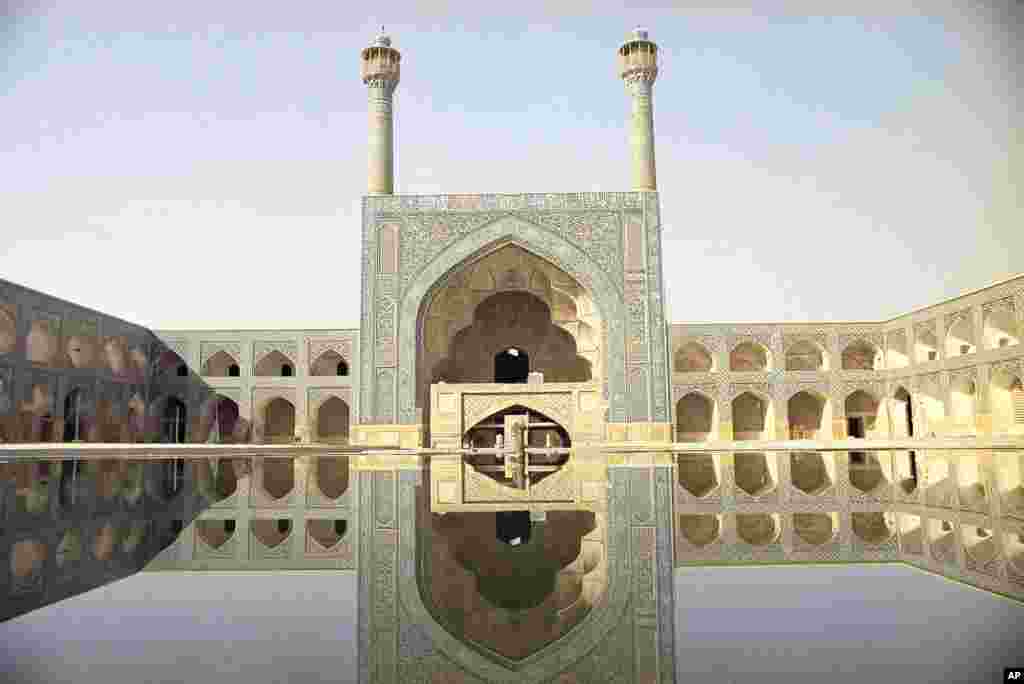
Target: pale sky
(200, 165)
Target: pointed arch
(221, 365)
(693, 357)
(565, 256)
(1000, 328)
(273, 364)
(860, 354)
(279, 420)
(330, 362)
(696, 417)
(960, 337)
(332, 421)
(806, 355)
(749, 356)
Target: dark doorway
(910, 433)
(73, 431)
(511, 366)
(855, 429)
(174, 422)
(513, 527)
(233, 371)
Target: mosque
(516, 447)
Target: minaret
(380, 72)
(638, 67)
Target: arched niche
(808, 415)
(82, 351)
(758, 529)
(897, 355)
(221, 365)
(755, 472)
(939, 477)
(812, 472)
(215, 533)
(973, 495)
(911, 533)
(521, 322)
(1000, 328)
(172, 477)
(27, 558)
(329, 362)
(805, 355)
(701, 529)
(752, 417)
(332, 476)
(979, 544)
(278, 421)
(69, 549)
(216, 479)
(30, 480)
(864, 417)
(902, 414)
(905, 471)
(699, 473)
(115, 356)
(139, 364)
(933, 409)
(942, 540)
(77, 405)
(220, 422)
(326, 533)
(873, 527)
(104, 543)
(861, 355)
(271, 533)
(1013, 549)
(41, 344)
(926, 345)
(277, 477)
(696, 418)
(132, 536)
(1010, 470)
(274, 364)
(332, 421)
(815, 529)
(693, 357)
(1006, 401)
(8, 330)
(749, 357)
(962, 404)
(173, 421)
(960, 338)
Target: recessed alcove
(220, 365)
(911, 533)
(104, 543)
(8, 330)
(979, 545)
(332, 476)
(279, 421)
(926, 346)
(940, 481)
(960, 338)
(41, 344)
(873, 527)
(756, 472)
(1000, 328)
(861, 355)
(327, 533)
(815, 529)
(215, 533)
(942, 540)
(962, 405)
(699, 530)
(747, 357)
(758, 529)
(698, 473)
(271, 533)
(273, 364)
(27, 558)
(1011, 482)
(805, 355)
(69, 549)
(693, 357)
(332, 421)
(277, 477)
(696, 418)
(752, 416)
(329, 362)
(973, 494)
(808, 415)
(905, 471)
(811, 472)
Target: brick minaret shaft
(380, 70)
(638, 67)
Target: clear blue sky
(200, 165)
